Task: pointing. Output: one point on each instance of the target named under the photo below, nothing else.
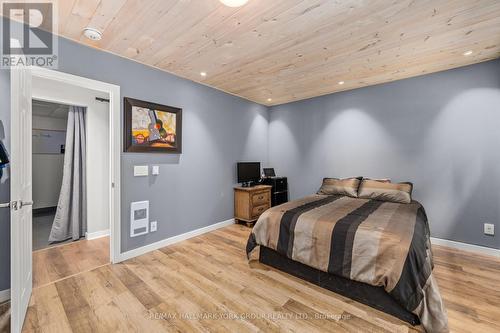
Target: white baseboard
(175, 239)
(96, 234)
(466, 247)
(4, 295)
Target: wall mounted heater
(139, 218)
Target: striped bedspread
(380, 243)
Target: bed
(375, 252)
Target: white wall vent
(139, 218)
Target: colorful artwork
(152, 127)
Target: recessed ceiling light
(467, 53)
(92, 34)
(203, 74)
(234, 3)
(269, 99)
(341, 82)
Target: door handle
(25, 203)
(12, 205)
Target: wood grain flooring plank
(208, 275)
(50, 314)
(78, 311)
(59, 262)
(194, 292)
(136, 286)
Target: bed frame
(376, 297)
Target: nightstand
(251, 202)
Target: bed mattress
(383, 244)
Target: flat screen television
(248, 172)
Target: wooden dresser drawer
(257, 210)
(260, 198)
(250, 202)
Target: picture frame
(151, 127)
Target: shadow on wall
(332, 144)
(258, 120)
(4, 222)
(284, 140)
(362, 145)
(463, 167)
(448, 148)
(3, 171)
(5, 177)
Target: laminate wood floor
(60, 261)
(205, 284)
(5, 317)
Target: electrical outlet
(154, 226)
(489, 229)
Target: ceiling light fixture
(203, 74)
(92, 34)
(234, 3)
(467, 53)
(269, 99)
(341, 82)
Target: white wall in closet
(47, 168)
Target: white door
(20, 192)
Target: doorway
(78, 207)
(55, 87)
(71, 201)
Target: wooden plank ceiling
(278, 51)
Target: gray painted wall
(4, 181)
(440, 131)
(194, 189)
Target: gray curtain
(71, 216)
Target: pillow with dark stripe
(372, 189)
(347, 186)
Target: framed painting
(151, 127)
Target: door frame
(113, 92)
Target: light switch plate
(156, 170)
(154, 226)
(141, 170)
(489, 229)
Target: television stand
(279, 193)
